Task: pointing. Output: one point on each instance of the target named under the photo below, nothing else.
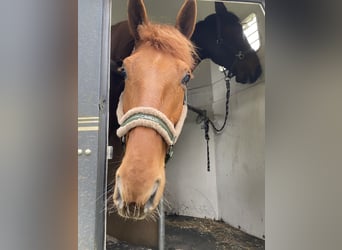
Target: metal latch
(109, 152)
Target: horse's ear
(220, 8)
(136, 15)
(186, 18)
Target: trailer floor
(188, 233)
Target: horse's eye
(186, 78)
(122, 72)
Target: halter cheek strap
(151, 118)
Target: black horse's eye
(122, 72)
(186, 78)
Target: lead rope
(202, 116)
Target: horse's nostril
(150, 202)
(118, 195)
(118, 200)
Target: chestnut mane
(168, 39)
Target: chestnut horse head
(151, 110)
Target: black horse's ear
(220, 8)
(136, 16)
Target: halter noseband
(151, 118)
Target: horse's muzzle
(251, 77)
(132, 209)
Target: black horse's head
(223, 41)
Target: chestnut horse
(151, 109)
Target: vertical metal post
(161, 236)
(101, 203)
(93, 78)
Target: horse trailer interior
(233, 191)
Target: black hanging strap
(202, 116)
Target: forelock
(169, 40)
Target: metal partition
(93, 78)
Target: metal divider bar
(161, 235)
